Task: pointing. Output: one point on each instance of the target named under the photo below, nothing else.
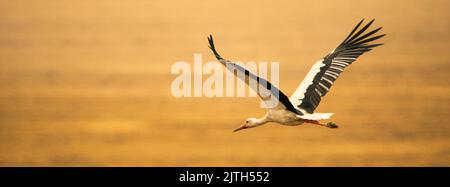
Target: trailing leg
(329, 124)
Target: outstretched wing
(264, 84)
(324, 73)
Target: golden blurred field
(87, 83)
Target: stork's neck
(262, 120)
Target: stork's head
(249, 123)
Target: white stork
(299, 108)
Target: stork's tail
(316, 116)
(319, 116)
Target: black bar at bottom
(223, 175)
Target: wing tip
(210, 41)
(354, 39)
(213, 48)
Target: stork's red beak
(240, 128)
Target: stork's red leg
(315, 122)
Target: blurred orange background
(87, 83)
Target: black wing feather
(275, 91)
(334, 64)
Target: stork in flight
(299, 108)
